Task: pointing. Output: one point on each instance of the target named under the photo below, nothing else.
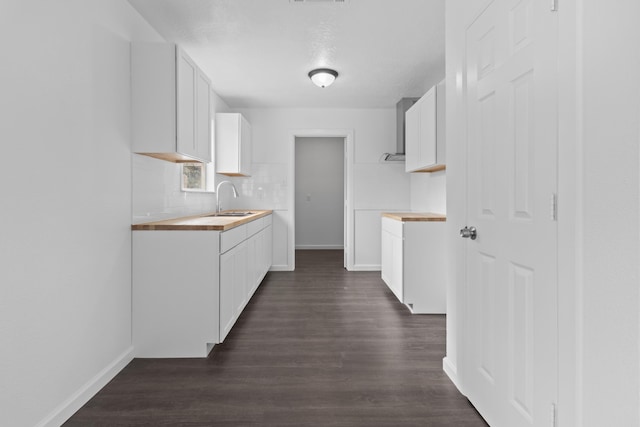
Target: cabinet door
(233, 145)
(428, 136)
(241, 277)
(386, 258)
(392, 255)
(412, 137)
(227, 280)
(233, 287)
(186, 72)
(397, 267)
(227, 132)
(253, 263)
(259, 267)
(203, 118)
(268, 249)
(392, 262)
(245, 147)
(259, 259)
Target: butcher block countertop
(415, 216)
(202, 222)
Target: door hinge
(552, 415)
(554, 5)
(553, 205)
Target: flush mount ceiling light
(323, 77)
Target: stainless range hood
(401, 107)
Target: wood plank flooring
(316, 347)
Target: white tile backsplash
(157, 194)
(266, 188)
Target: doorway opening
(320, 193)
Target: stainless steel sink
(240, 214)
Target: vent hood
(401, 107)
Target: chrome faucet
(235, 194)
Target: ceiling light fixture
(323, 77)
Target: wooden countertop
(415, 216)
(202, 222)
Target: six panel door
(510, 365)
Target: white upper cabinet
(425, 137)
(171, 116)
(412, 137)
(233, 145)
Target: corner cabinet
(425, 143)
(413, 263)
(170, 104)
(233, 145)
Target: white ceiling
(258, 52)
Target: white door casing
(345, 208)
(511, 333)
(348, 135)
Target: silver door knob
(468, 233)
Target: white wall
(378, 187)
(65, 251)
(606, 305)
(429, 192)
(319, 193)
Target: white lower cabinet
(175, 293)
(392, 262)
(413, 263)
(242, 269)
(233, 284)
(190, 287)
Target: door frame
(347, 134)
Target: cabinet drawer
(267, 220)
(392, 226)
(230, 238)
(254, 226)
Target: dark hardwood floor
(316, 347)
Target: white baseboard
(69, 407)
(366, 267)
(361, 267)
(319, 247)
(280, 268)
(451, 371)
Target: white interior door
(511, 336)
